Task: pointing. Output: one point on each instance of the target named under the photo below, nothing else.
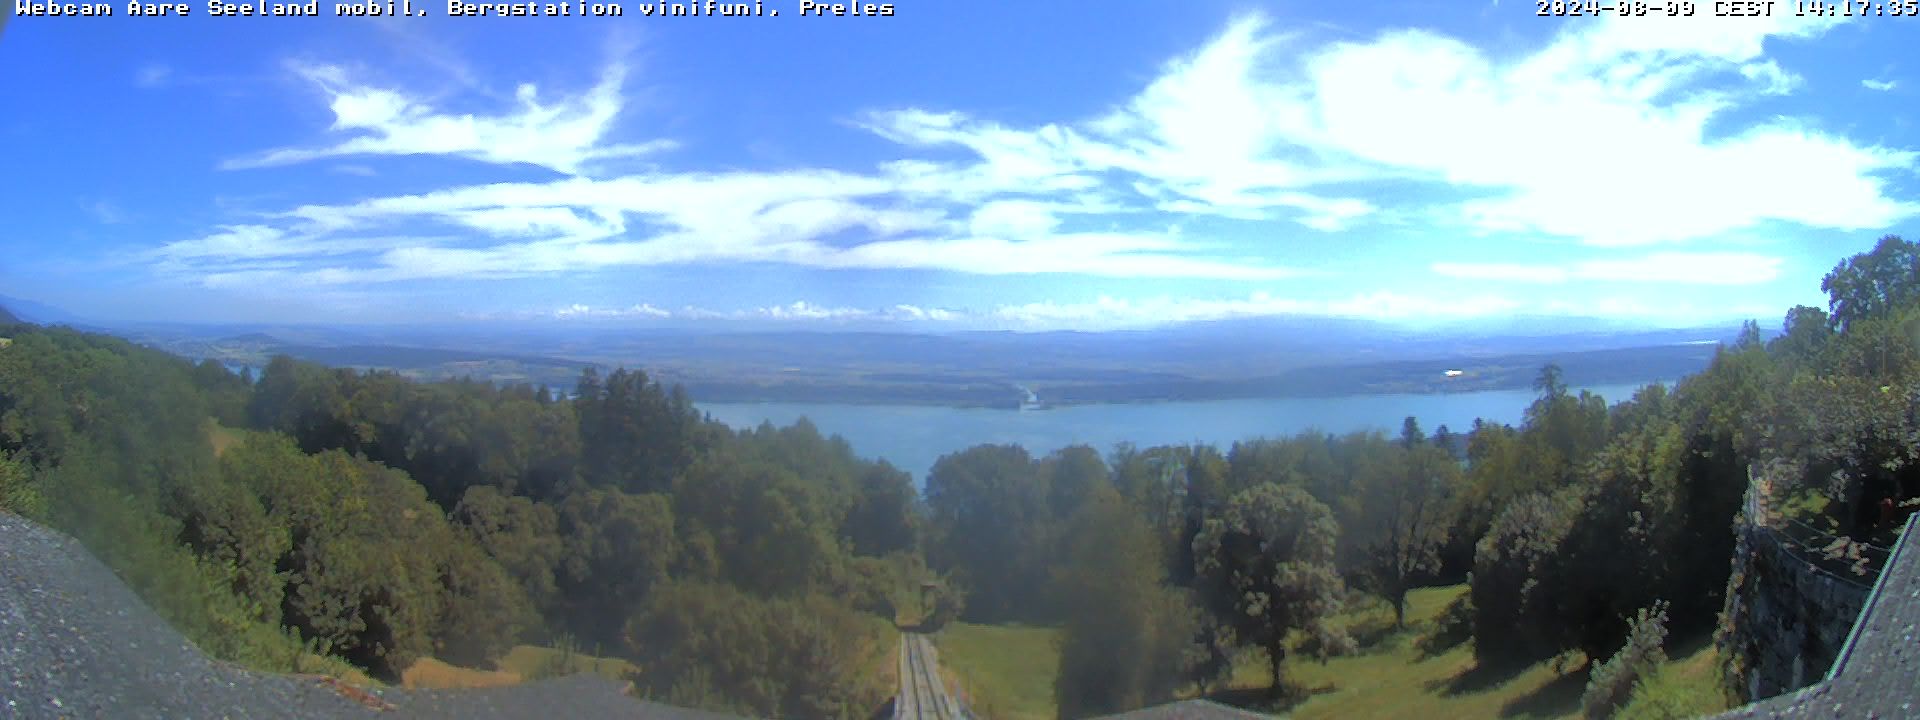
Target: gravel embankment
(76, 642)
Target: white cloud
(241, 242)
(1616, 134)
(797, 311)
(1257, 125)
(793, 218)
(1015, 218)
(1196, 140)
(106, 212)
(1601, 113)
(1879, 85)
(152, 75)
(1106, 312)
(1112, 313)
(1685, 268)
(1776, 80)
(565, 135)
(802, 310)
(642, 310)
(915, 312)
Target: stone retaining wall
(1786, 617)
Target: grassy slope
(1686, 687)
(432, 674)
(1392, 678)
(1005, 671)
(884, 657)
(1009, 672)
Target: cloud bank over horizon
(1666, 171)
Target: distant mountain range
(1251, 357)
(38, 313)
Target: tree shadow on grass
(1434, 644)
(1259, 699)
(1559, 697)
(1371, 635)
(1479, 677)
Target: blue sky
(958, 165)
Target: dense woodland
(374, 520)
(317, 515)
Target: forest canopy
(364, 518)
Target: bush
(1515, 593)
(711, 646)
(1666, 696)
(18, 492)
(1612, 683)
(1453, 627)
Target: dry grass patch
(534, 662)
(222, 437)
(333, 667)
(431, 674)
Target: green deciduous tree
(616, 547)
(884, 518)
(1873, 283)
(710, 645)
(1265, 569)
(1125, 641)
(1401, 518)
(19, 493)
(991, 527)
(1513, 592)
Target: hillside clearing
(432, 674)
(1392, 678)
(534, 662)
(1002, 672)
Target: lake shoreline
(867, 397)
(1014, 406)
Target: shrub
(1612, 683)
(1453, 627)
(1515, 591)
(711, 646)
(18, 492)
(1667, 696)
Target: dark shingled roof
(1878, 672)
(1189, 710)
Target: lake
(912, 437)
